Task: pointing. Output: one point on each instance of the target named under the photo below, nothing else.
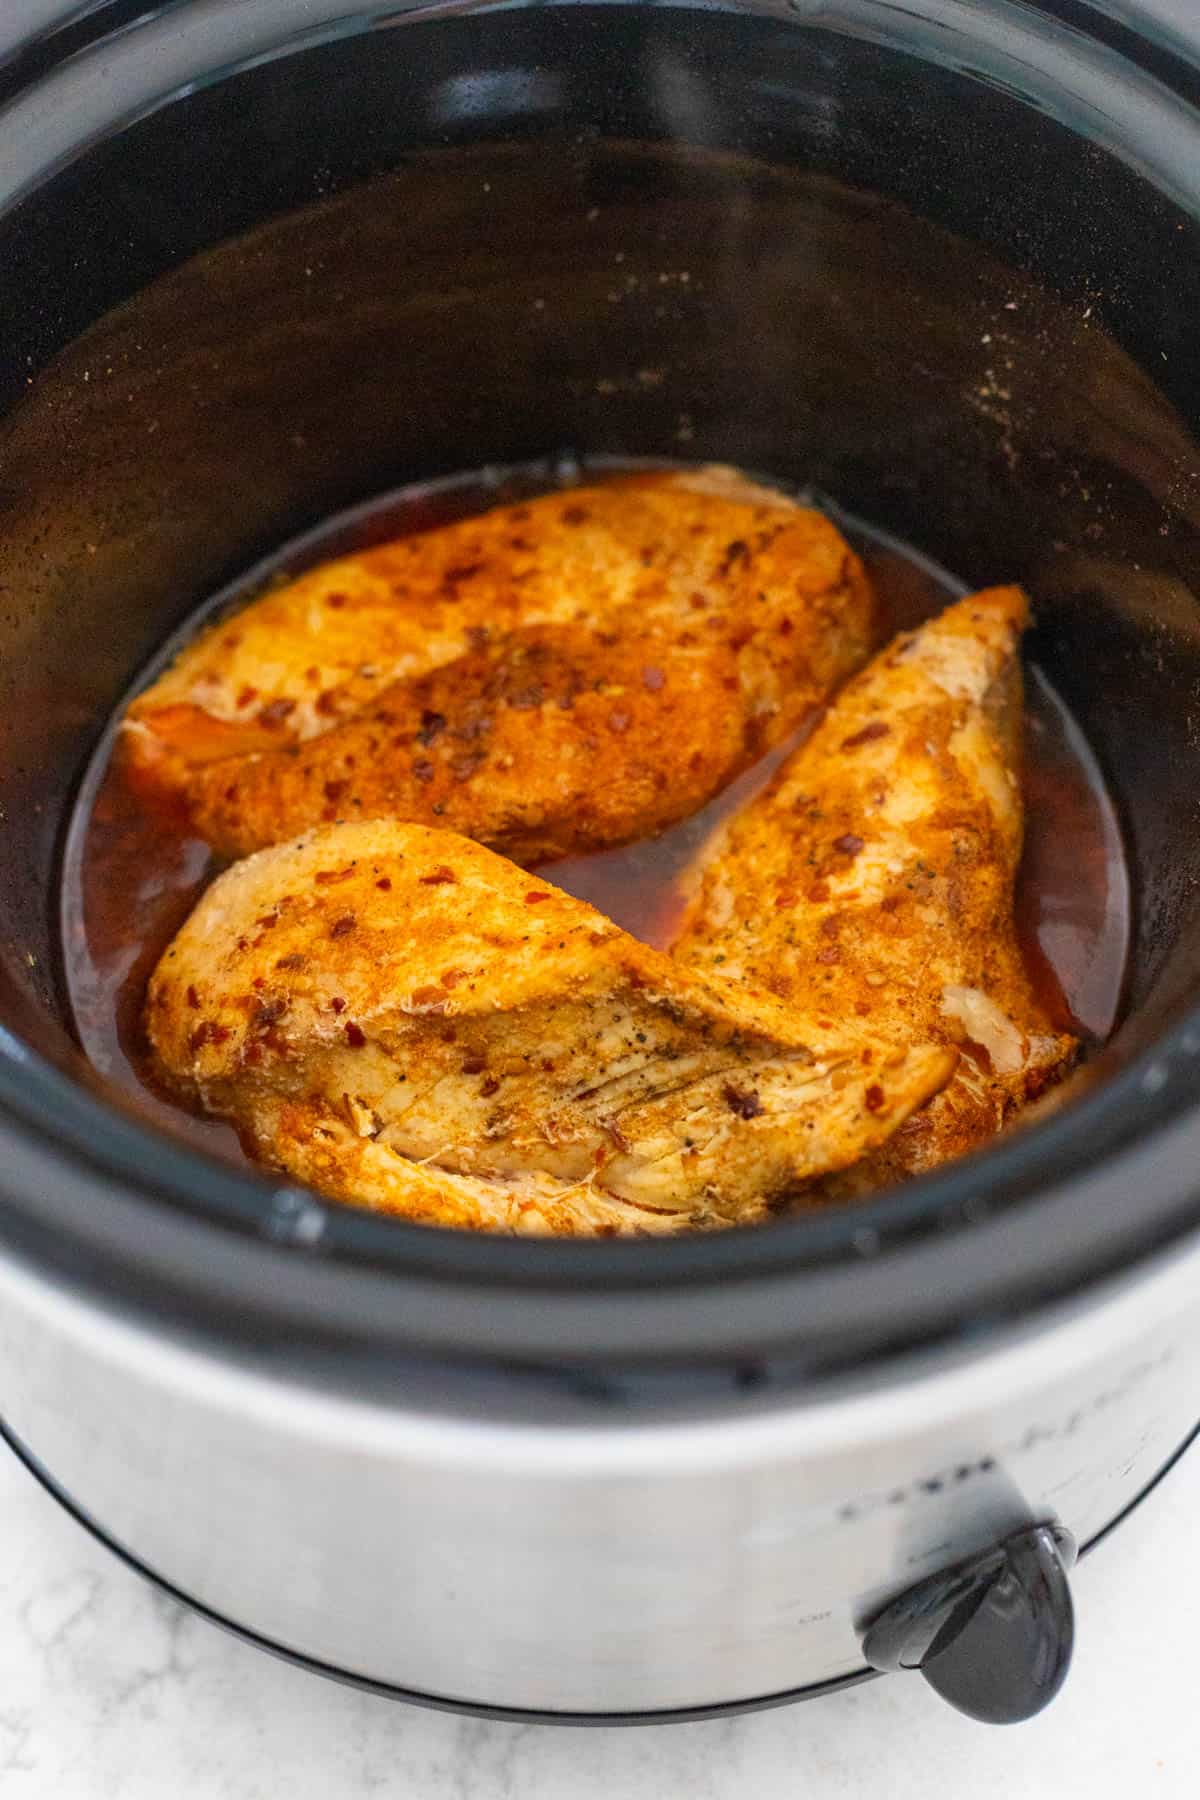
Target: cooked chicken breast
(408, 1021)
(872, 883)
(573, 672)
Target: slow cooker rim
(218, 1248)
(78, 1132)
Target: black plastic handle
(992, 1635)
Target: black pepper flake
(745, 1104)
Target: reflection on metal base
(513, 1714)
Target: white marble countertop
(109, 1691)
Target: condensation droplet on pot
(1155, 1078)
(295, 1218)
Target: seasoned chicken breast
(406, 1020)
(572, 672)
(872, 883)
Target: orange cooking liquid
(131, 874)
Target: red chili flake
(878, 728)
(258, 982)
(243, 943)
(874, 1097)
(338, 1004)
(786, 898)
(432, 726)
(276, 712)
(744, 1103)
(384, 884)
(535, 899)
(193, 998)
(422, 770)
(356, 1037)
(489, 1087)
(830, 954)
(461, 572)
(478, 636)
(653, 680)
(474, 1065)
(437, 878)
(247, 695)
(294, 961)
(452, 977)
(618, 721)
(736, 552)
(819, 891)
(312, 675)
(786, 628)
(848, 844)
(327, 877)
(426, 996)
(574, 515)
(268, 921)
(337, 601)
(326, 703)
(344, 926)
(231, 792)
(209, 1032)
(335, 789)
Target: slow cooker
(263, 259)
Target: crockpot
(261, 260)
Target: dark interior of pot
(832, 259)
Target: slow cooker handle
(992, 1635)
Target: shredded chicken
(872, 883)
(408, 1021)
(576, 671)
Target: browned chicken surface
(872, 883)
(575, 671)
(405, 1020)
